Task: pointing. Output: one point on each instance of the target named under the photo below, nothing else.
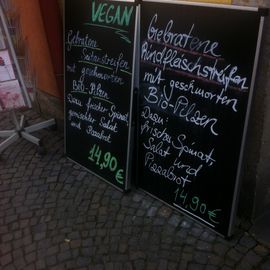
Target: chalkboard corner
(263, 11)
(138, 2)
(127, 191)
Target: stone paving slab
(55, 215)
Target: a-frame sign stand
(20, 130)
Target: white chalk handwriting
(193, 66)
(77, 39)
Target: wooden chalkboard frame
(129, 148)
(261, 13)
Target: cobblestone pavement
(55, 215)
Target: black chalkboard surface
(99, 45)
(196, 70)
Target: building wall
(255, 189)
(250, 2)
(34, 36)
(61, 6)
(262, 190)
(52, 22)
(41, 27)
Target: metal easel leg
(30, 138)
(7, 133)
(23, 132)
(10, 135)
(11, 139)
(40, 125)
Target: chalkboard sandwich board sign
(197, 71)
(99, 52)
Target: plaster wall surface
(255, 191)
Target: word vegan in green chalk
(111, 14)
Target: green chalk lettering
(106, 161)
(117, 17)
(126, 16)
(95, 13)
(111, 14)
(101, 17)
(109, 18)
